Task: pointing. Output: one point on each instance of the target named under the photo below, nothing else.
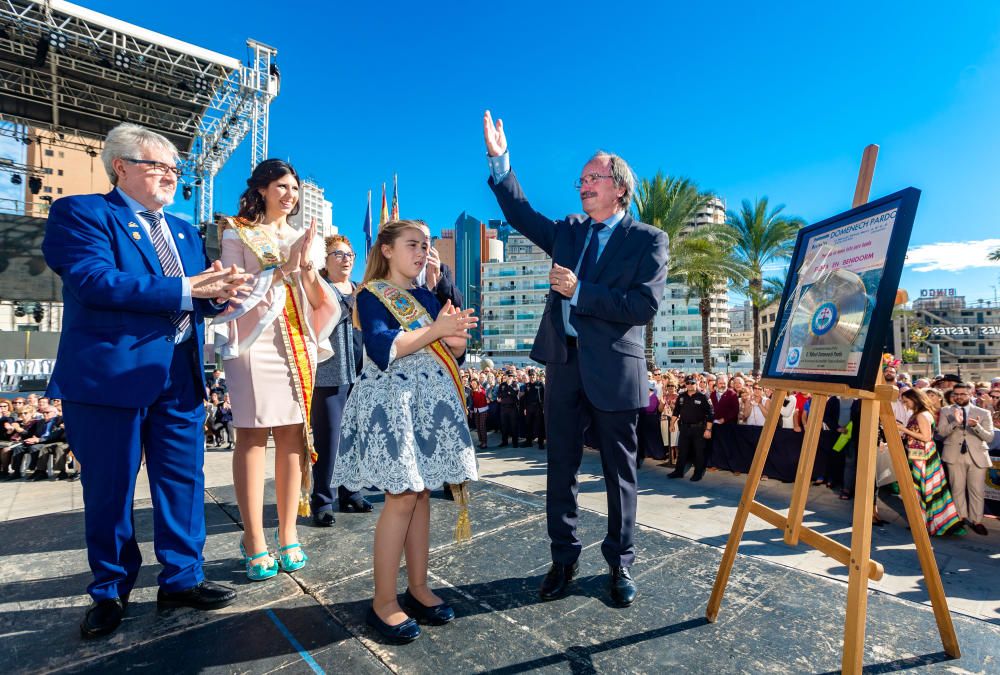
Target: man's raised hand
(496, 139)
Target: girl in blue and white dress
(404, 429)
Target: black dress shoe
(675, 474)
(697, 477)
(103, 617)
(39, 476)
(356, 504)
(206, 595)
(324, 518)
(400, 634)
(556, 581)
(622, 586)
(438, 615)
(979, 528)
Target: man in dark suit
(136, 292)
(607, 278)
(439, 280)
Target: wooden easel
(875, 406)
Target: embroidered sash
(260, 242)
(303, 369)
(411, 315)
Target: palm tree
(762, 238)
(994, 255)
(669, 204)
(707, 263)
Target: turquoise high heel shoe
(290, 559)
(265, 569)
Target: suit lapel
(134, 231)
(613, 246)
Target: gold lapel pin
(132, 225)
(136, 236)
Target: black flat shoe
(556, 581)
(438, 615)
(324, 518)
(103, 617)
(623, 589)
(206, 596)
(400, 634)
(357, 505)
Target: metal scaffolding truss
(66, 68)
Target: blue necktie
(589, 258)
(169, 262)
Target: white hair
(126, 140)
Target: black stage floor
(774, 619)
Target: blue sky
(745, 99)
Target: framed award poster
(837, 304)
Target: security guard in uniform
(694, 412)
(507, 396)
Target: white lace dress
(404, 427)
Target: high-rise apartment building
(67, 166)
(513, 299)
(677, 339)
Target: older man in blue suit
(137, 287)
(607, 278)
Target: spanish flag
(383, 217)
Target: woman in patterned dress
(925, 466)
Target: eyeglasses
(156, 168)
(341, 255)
(590, 179)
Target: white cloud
(951, 256)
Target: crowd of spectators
(32, 432)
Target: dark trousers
(480, 418)
(691, 448)
(534, 424)
(110, 442)
(570, 413)
(59, 452)
(508, 424)
(650, 438)
(327, 415)
(219, 427)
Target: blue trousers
(569, 414)
(109, 442)
(327, 415)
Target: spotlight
(39, 313)
(92, 152)
(34, 184)
(19, 310)
(234, 120)
(58, 40)
(187, 191)
(16, 179)
(41, 52)
(122, 60)
(197, 182)
(201, 84)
